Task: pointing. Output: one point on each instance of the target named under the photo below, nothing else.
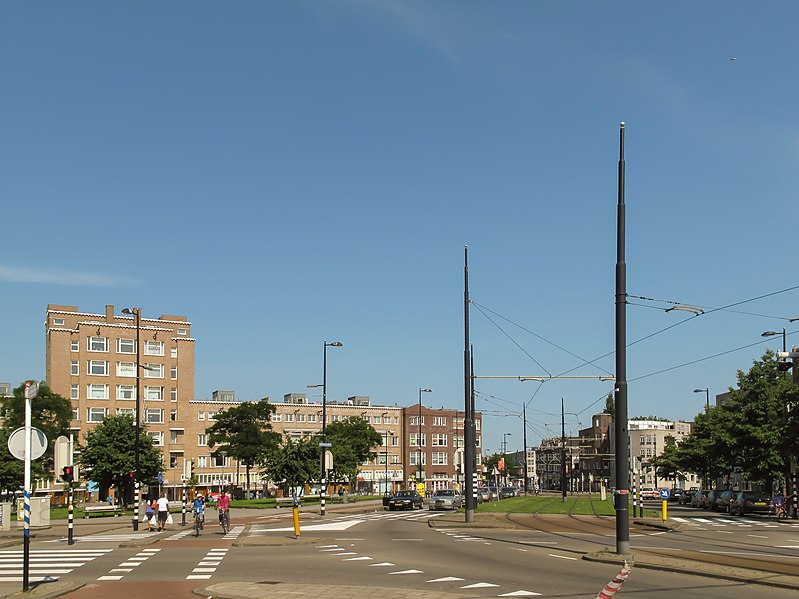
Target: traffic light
(783, 365)
(68, 474)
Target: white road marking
(480, 585)
(357, 559)
(562, 556)
(758, 536)
(407, 572)
(446, 579)
(520, 594)
(382, 564)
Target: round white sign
(16, 443)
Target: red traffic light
(68, 473)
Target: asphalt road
(382, 554)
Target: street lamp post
(706, 391)
(136, 313)
(323, 445)
(419, 440)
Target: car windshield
(445, 493)
(754, 495)
(405, 494)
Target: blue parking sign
(665, 494)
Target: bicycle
(198, 523)
(780, 510)
(224, 520)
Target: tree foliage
(50, 413)
(244, 432)
(352, 442)
(754, 432)
(293, 463)
(109, 451)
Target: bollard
(183, 513)
(296, 513)
(71, 516)
(665, 514)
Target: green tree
(667, 464)
(610, 406)
(109, 454)
(50, 413)
(244, 432)
(293, 463)
(352, 441)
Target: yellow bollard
(665, 510)
(296, 513)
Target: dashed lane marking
(127, 566)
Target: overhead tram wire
(534, 334)
(511, 338)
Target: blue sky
(287, 172)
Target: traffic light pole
(71, 517)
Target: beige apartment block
(91, 360)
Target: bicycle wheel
(197, 525)
(225, 522)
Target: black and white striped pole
(71, 516)
(183, 512)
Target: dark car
(751, 502)
(719, 501)
(506, 492)
(685, 498)
(676, 495)
(405, 500)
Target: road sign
(61, 453)
(16, 443)
(665, 494)
(325, 445)
(160, 478)
(31, 390)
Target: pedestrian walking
(163, 512)
(149, 513)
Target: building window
(289, 417)
(173, 460)
(154, 393)
(94, 391)
(202, 462)
(200, 415)
(439, 458)
(126, 392)
(219, 461)
(439, 421)
(158, 437)
(74, 345)
(311, 417)
(173, 415)
(98, 344)
(153, 348)
(414, 442)
(75, 414)
(74, 369)
(439, 440)
(126, 346)
(73, 392)
(477, 425)
(96, 414)
(173, 373)
(126, 369)
(277, 417)
(98, 367)
(58, 322)
(415, 420)
(127, 412)
(154, 371)
(181, 331)
(173, 352)
(154, 416)
(300, 417)
(173, 393)
(414, 458)
(212, 415)
(202, 439)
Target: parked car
(484, 494)
(751, 502)
(719, 500)
(685, 498)
(494, 491)
(445, 499)
(506, 492)
(405, 500)
(700, 498)
(676, 495)
(650, 493)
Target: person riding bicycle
(198, 508)
(224, 506)
(779, 503)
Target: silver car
(445, 499)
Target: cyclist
(779, 504)
(224, 510)
(198, 509)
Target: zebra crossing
(343, 522)
(127, 566)
(413, 516)
(721, 521)
(45, 565)
(119, 538)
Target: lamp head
(700, 390)
(334, 344)
(425, 390)
(769, 334)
